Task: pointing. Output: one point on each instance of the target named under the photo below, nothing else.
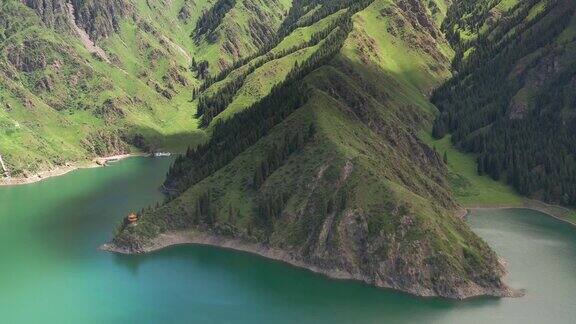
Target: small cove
(52, 271)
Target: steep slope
(84, 78)
(321, 167)
(512, 101)
(62, 103)
(240, 31)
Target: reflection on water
(52, 271)
(129, 263)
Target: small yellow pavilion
(132, 218)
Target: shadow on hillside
(174, 142)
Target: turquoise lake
(52, 272)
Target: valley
(341, 136)
(49, 256)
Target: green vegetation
(471, 189)
(305, 122)
(512, 103)
(60, 103)
(313, 151)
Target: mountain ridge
(299, 122)
(292, 181)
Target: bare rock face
(111, 111)
(105, 143)
(413, 15)
(391, 260)
(100, 18)
(29, 56)
(418, 16)
(543, 70)
(535, 74)
(259, 23)
(184, 13)
(409, 254)
(52, 12)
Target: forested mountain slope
(314, 152)
(84, 78)
(513, 98)
(301, 121)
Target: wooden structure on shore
(132, 218)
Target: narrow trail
(84, 37)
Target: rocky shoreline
(62, 170)
(185, 237)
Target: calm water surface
(52, 272)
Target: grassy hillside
(304, 124)
(469, 188)
(62, 103)
(315, 151)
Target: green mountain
(513, 99)
(314, 152)
(303, 125)
(66, 99)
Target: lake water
(52, 272)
